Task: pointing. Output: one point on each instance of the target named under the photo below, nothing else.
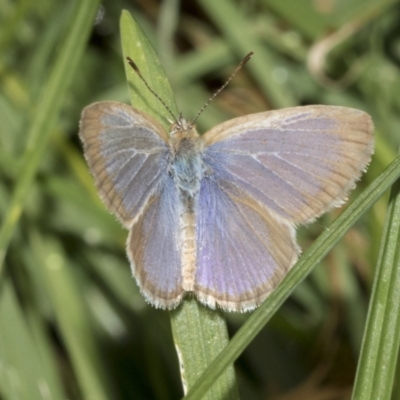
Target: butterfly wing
(299, 162)
(242, 252)
(154, 248)
(127, 153)
(265, 173)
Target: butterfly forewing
(127, 153)
(298, 162)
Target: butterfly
(215, 214)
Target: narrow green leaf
(167, 26)
(72, 317)
(303, 267)
(24, 373)
(48, 108)
(380, 348)
(199, 335)
(235, 28)
(136, 46)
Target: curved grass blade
(72, 317)
(48, 108)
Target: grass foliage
(73, 324)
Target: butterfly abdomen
(187, 170)
(188, 246)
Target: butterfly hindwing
(127, 153)
(242, 251)
(154, 249)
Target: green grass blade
(377, 363)
(48, 108)
(199, 333)
(136, 46)
(167, 26)
(72, 316)
(306, 263)
(236, 30)
(24, 373)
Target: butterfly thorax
(187, 163)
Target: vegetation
(73, 324)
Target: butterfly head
(182, 128)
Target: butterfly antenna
(137, 70)
(239, 67)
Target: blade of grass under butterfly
(303, 267)
(380, 348)
(48, 107)
(136, 46)
(199, 333)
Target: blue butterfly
(216, 214)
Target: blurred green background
(72, 322)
